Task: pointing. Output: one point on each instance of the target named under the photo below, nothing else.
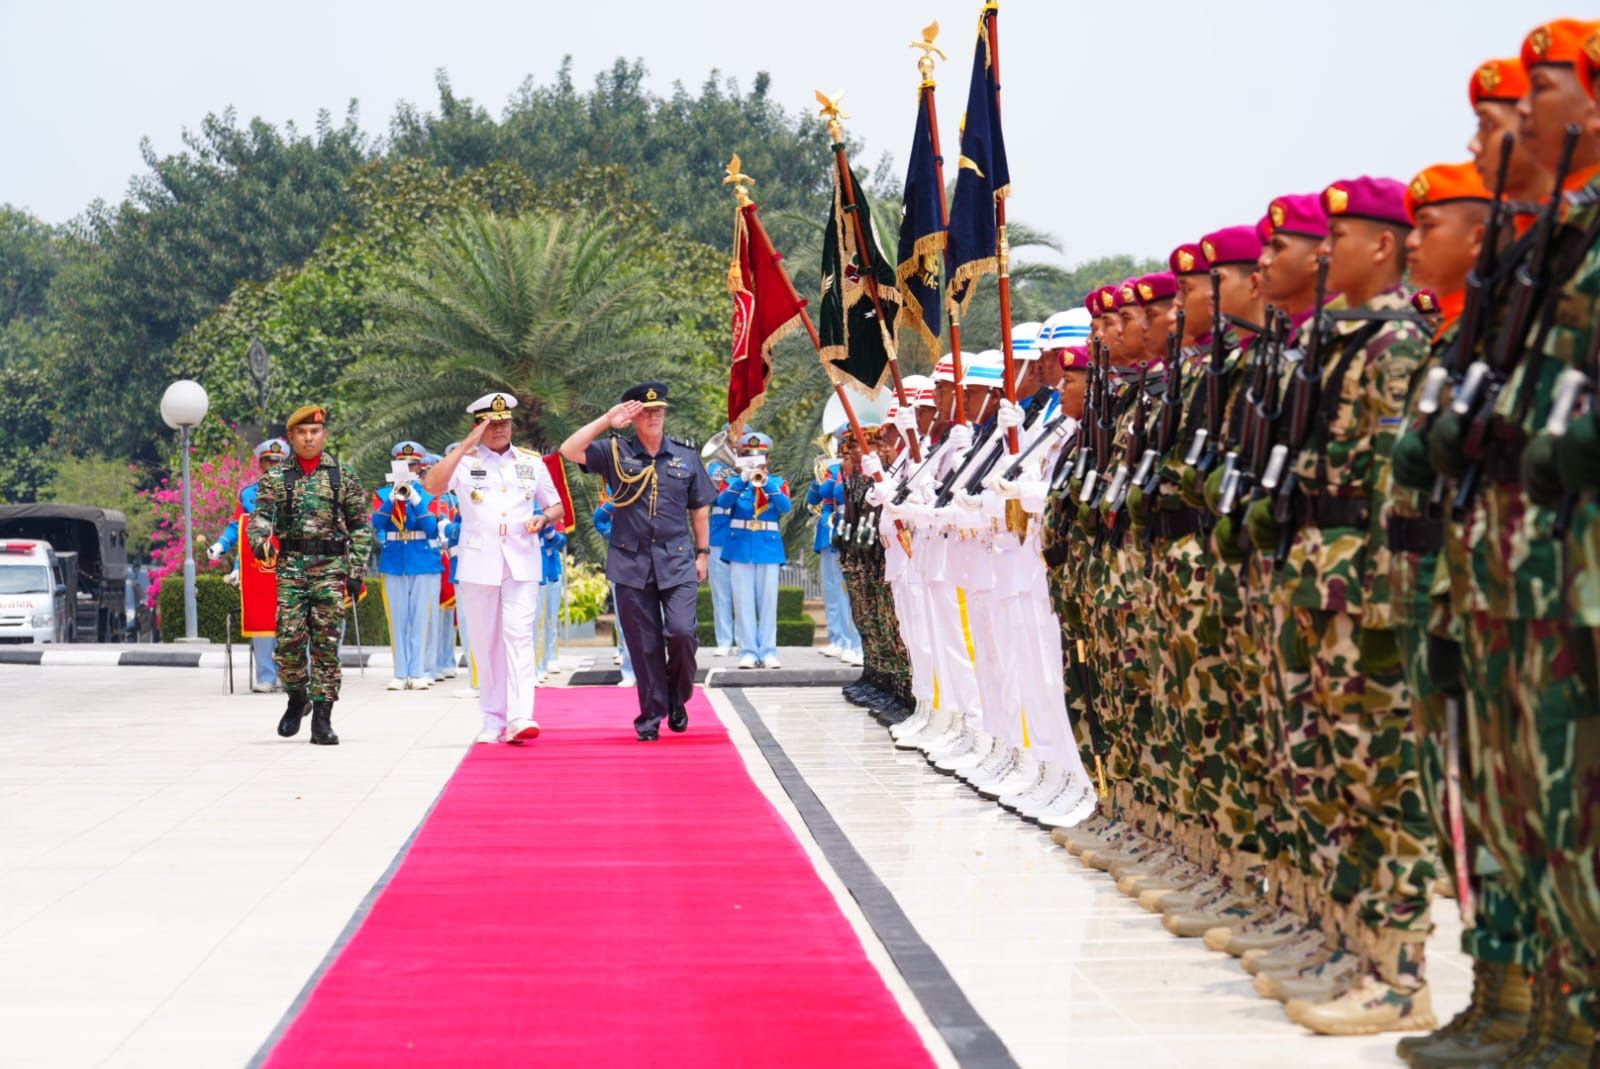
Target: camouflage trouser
(1254, 793)
(1381, 856)
(1497, 933)
(1129, 621)
(1300, 748)
(311, 593)
(1560, 683)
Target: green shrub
(587, 591)
(797, 632)
(214, 599)
(791, 603)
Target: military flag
(982, 178)
(922, 233)
(855, 343)
(765, 306)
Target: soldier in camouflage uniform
(317, 510)
(1376, 857)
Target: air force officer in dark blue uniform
(660, 540)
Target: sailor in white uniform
(506, 498)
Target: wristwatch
(702, 551)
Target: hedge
(795, 628)
(214, 599)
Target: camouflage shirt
(1360, 410)
(312, 512)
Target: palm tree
(563, 312)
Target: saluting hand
(621, 415)
(474, 436)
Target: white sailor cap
(986, 369)
(1065, 329)
(919, 390)
(272, 449)
(1024, 339)
(492, 407)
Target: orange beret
(306, 414)
(1504, 81)
(1559, 42)
(1589, 60)
(1445, 183)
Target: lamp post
(183, 406)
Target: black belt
(1415, 534)
(1177, 524)
(314, 547)
(1317, 510)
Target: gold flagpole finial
(833, 113)
(738, 180)
(930, 34)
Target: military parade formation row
(1286, 568)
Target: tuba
(717, 448)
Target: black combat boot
(289, 724)
(322, 725)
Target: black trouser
(659, 628)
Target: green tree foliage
(236, 204)
(564, 311)
(31, 255)
(107, 484)
(675, 147)
(31, 252)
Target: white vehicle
(33, 597)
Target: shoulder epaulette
(687, 443)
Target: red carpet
(589, 900)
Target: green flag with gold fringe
(856, 344)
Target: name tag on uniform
(479, 473)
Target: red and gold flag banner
(558, 475)
(258, 587)
(765, 310)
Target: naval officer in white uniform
(506, 497)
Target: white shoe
(913, 723)
(628, 681)
(937, 724)
(466, 692)
(616, 658)
(261, 688)
(420, 683)
(450, 673)
(748, 661)
(522, 730)
(487, 735)
(396, 683)
(539, 680)
(851, 657)
(830, 650)
(771, 661)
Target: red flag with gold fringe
(765, 310)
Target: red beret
(1189, 259)
(1074, 357)
(1092, 302)
(1299, 214)
(1380, 200)
(1232, 245)
(1160, 286)
(1560, 42)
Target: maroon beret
(1189, 259)
(1299, 214)
(1160, 286)
(1232, 245)
(1380, 200)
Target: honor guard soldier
(507, 498)
(269, 454)
(317, 509)
(756, 501)
(660, 546)
(410, 563)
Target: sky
(1130, 128)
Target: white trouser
(1002, 659)
(911, 613)
(1043, 694)
(499, 623)
(958, 685)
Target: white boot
(913, 723)
(1051, 781)
(996, 768)
(1022, 778)
(983, 747)
(936, 725)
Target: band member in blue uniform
(410, 563)
(660, 542)
(757, 501)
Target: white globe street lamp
(183, 406)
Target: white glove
(232, 578)
(1032, 495)
(878, 494)
(871, 466)
(959, 437)
(972, 502)
(906, 419)
(1006, 489)
(215, 552)
(1009, 415)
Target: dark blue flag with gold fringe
(922, 237)
(982, 177)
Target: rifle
(1117, 492)
(1148, 476)
(1570, 387)
(1450, 371)
(1280, 477)
(1204, 451)
(1262, 413)
(1482, 382)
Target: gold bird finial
(930, 35)
(833, 113)
(738, 180)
